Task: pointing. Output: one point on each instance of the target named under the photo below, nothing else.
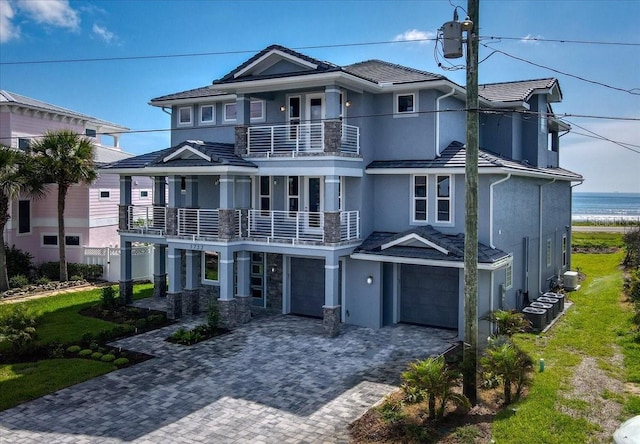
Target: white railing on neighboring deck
(286, 225)
(147, 218)
(349, 225)
(298, 138)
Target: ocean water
(606, 207)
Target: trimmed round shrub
(74, 349)
(85, 352)
(76, 277)
(108, 358)
(121, 362)
(156, 319)
(43, 280)
(141, 324)
(18, 281)
(96, 355)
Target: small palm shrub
(18, 281)
(213, 315)
(18, 327)
(509, 322)
(432, 379)
(510, 365)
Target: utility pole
(452, 48)
(470, 347)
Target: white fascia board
(509, 105)
(429, 262)
(308, 170)
(177, 171)
(193, 100)
(414, 237)
(284, 55)
(177, 154)
(481, 171)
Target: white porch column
(243, 282)
(126, 281)
(174, 294)
(191, 292)
(159, 271)
(226, 303)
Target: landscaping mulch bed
(197, 334)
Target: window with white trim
(443, 198)
(565, 259)
(508, 280)
(24, 144)
(184, 115)
(104, 194)
(293, 195)
(24, 216)
(144, 194)
(210, 266)
(49, 240)
(549, 252)
(207, 114)
(264, 194)
(70, 240)
(257, 110)
(405, 103)
(419, 198)
(230, 112)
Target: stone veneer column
(174, 293)
(126, 290)
(331, 320)
(126, 281)
(227, 311)
(227, 224)
(243, 309)
(332, 233)
(174, 305)
(172, 221)
(160, 286)
(241, 140)
(190, 301)
(123, 217)
(332, 136)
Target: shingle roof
(205, 91)
(454, 156)
(379, 71)
(517, 91)
(221, 154)
(7, 97)
(454, 244)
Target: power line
(579, 42)
(627, 146)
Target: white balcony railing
(202, 222)
(349, 225)
(286, 225)
(147, 218)
(298, 138)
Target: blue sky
(119, 90)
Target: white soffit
(414, 240)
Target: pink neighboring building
(91, 213)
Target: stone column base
(227, 310)
(126, 291)
(331, 320)
(160, 286)
(174, 305)
(243, 309)
(190, 301)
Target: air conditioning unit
(570, 280)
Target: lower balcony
(150, 219)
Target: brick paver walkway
(274, 380)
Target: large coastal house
(338, 192)
(91, 214)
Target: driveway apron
(274, 380)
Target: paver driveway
(274, 380)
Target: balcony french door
(313, 201)
(315, 114)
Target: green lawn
(596, 240)
(60, 322)
(590, 328)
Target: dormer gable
(187, 152)
(276, 61)
(413, 240)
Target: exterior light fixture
(347, 103)
(283, 108)
(369, 280)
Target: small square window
(230, 112)
(144, 194)
(49, 240)
(24, 144)
(207, 114)
(105, 194)
(405, 103)
(184, 116)
(257, 110)
(72, 240)
(90, 133)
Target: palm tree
(434, 380)
(16, 177)
(66, 158)
(509, 363)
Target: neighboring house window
(405, 103)
(48, 239)
(257, 110)
(207, 114)
(184, 115)
(548, 252)
(105, 195)
(72, 240)
(230, 112)
(24, 216)
(210, 266)
(564, 251)
(144, 194)
(443, 198)
(265, 193)
(90, 133)
(24, 144)
(420, 198)
(508, 283)
(293, 194)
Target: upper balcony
(330, 137)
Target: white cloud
(413, 35)
(51, 12)
(103, 33)
(531, 39)
(8, 30)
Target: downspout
(449, 94)
(571, 225)
(540, 237)
(491, 207)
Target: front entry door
(313, 201)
